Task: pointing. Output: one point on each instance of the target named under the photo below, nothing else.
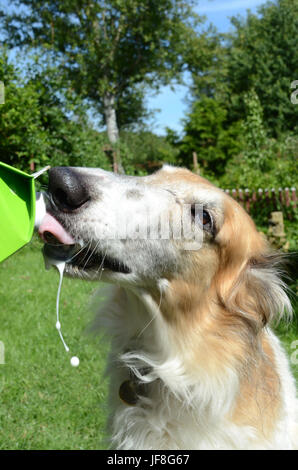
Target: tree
(144, 152)
(206, 132)
(39, 124)
(108, 48)
(22, 134)
(264, 161)
(261, 54)
(264, 57)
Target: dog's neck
(142, 338)
(151, 358)
(130, 316)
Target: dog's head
(171, 232)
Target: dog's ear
(249, 279)
(265, 276)
(258, 294)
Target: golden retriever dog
(194, 363)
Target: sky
(172, 105)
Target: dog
(194, 363)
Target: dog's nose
(67, 188)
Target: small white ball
(75, 361)
(58, 325)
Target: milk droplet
(75, 361)
(60, 265)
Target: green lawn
(44, 402)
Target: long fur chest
(175, 408)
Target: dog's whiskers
(87, 247)
(101, 265)
(92, 252)
(77, 253)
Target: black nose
(67, 188)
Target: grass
(44, 402)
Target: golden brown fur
(189, 328)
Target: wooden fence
(282, 198)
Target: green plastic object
(17, 209)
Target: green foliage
(111, 47)
(42, 121)
(254, 131)
(242, 121)
(265, 162)
(144, 152)
(206, 133)
(22, 133)
(260, 54)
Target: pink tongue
(51, 225)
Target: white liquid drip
(60, 265)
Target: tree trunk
(112, 129)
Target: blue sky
(173, 104)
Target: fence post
(273, 197)
(287, 197)
(241, 198)
(267, 197)
(280, 196)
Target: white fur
(187, 405)
(185, 410)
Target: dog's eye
(203, 216)
(206, 219)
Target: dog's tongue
(50, 225)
